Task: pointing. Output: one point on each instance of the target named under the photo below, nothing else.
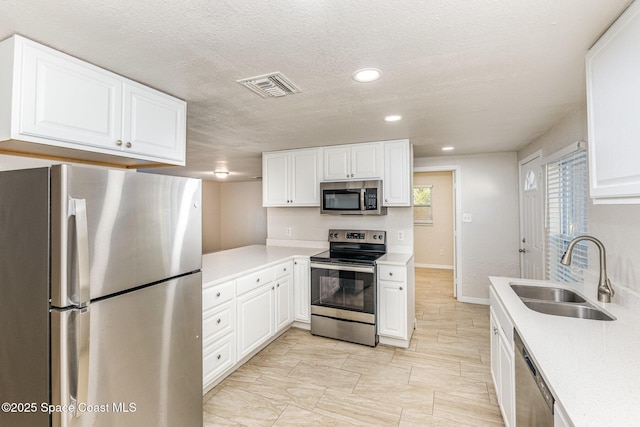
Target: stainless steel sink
(558, 302)
(579, 311)
(546, 294)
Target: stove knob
(375, 236)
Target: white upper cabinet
(154, 124)
(57, 101)
(397, 173)
(613, 105)
(291, 178)
(354, 161)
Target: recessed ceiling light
(367, 75)
(447, 148)
(393, 118)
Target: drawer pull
(219, 356)
(218, 295)
(258, 280)
(390, 273)
(218, 321)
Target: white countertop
(592, 367)
(225, 265)
(394, 258)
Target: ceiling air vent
(270, 85)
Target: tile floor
(443, 379)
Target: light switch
(466, 217)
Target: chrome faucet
(605, 290)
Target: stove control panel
(358, 236)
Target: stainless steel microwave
(352, 198)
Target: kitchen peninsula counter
(232, 263)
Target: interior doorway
(437, 237)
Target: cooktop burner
(353, 247)
(347, 257)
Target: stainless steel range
(343, 286)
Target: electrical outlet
(466, 217)
(287, 231)
(400, 235)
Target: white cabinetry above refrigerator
(56, 105)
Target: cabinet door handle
(351, 175)
(400, 287)
(119, 143)
(218, 321)
(495, 331)
(128, 144)
(258, 280)
(273, 287)
(219, 356)
(218, 295)
(278, 285)
(390, 274)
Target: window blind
(566, 215)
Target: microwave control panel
(371, 199)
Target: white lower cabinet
(396, 303)
(502, 360)
(283, 295)
(302, 290)
(218, 331)
(255, 319)
(241, 316)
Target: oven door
(344, 291)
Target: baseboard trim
(437, 266)
(471, 300)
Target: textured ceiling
(480, 75)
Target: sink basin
(546, 294)
(558, 302)
(568, 310)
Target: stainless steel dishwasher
(534, 402)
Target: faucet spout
(605, 290)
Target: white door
(531, 218)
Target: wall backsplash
(307, 225)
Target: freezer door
(144, 359)
(114, 230)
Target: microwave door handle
(363, 207)
(78, 208)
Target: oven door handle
(343, 267)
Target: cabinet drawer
(218, 294)
(255, 280)
(503, 320)
(284, 269)
(218, 322)
(392, 272)
(218, 357)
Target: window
(566, 213)
(422, 206)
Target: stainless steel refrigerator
(100, 298)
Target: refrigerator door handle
(78, 208)
(70, 362)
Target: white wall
(617, 226)
(489, 192)
(210, 216)
(243, 220)
(430, 239)
(308, 226)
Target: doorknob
(522, 251)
